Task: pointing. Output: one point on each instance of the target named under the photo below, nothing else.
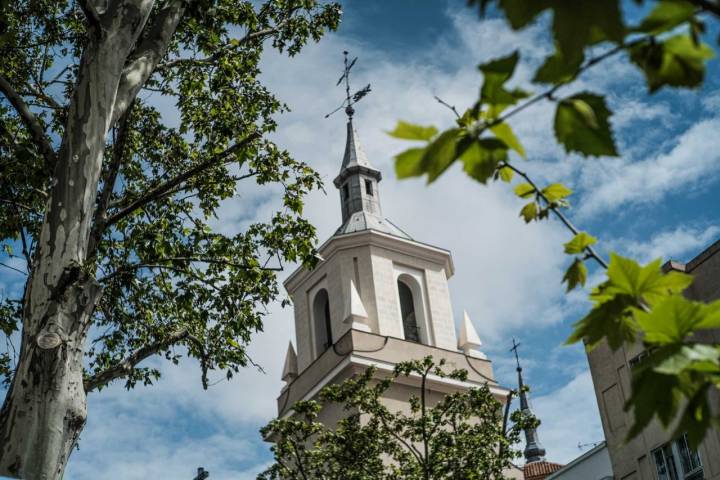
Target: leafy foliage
(170, 275)
(458, 436)
(635, 303)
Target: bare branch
(12, 268)
(38, 93)
(445, 104)
(163, 189)
(126, 366)
(31, 122)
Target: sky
(658, 199)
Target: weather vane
(514, 349)
(350, 100)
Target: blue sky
(658, 199)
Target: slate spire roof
(534, 451)
(359, 193)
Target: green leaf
(670, 321)
(666, 15)
(676, 62)
(440, 154)
(506, 174)
(610, 320)
(575, 24)
(409, 163)
(482, 157)
(581, 125)
(557, 69)
(711, 317)
(529, 212)
(575, 275)
(674, 318)
(555, 192)
(495, 73)
(409, 131)
(524, 190)
(697, 357)
(652, 393)
(505, 133)
(647, 283)
(579, 243)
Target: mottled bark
(45, 408)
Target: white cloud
(681, 243)
(569, 417)
(689, 164)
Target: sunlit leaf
(556, 191)
(409, 163)
(505, 133)
(529, 212)
(666, 15)
(575, 275)
(579, 243)
(482, 157)
(677, 62)
(524, 190)
(409, 131)
(581, 125)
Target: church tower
(377, 297)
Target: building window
(321, 320)
(368, 187)
(346, 191)
(676, 461)
(407, 311)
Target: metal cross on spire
(350, 100)
(514, 349)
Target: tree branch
(164, 188)
(91, 13)
(159, 263)
(38, 93)
(31, 122)
(590, 251)
(148, 54)
(708, 5)
(126, 366)
(109, 180)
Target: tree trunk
(45, 409)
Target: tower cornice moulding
(372, 238)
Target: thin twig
(12, 268)
(591, 253)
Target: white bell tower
(377, 297)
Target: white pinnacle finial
(355, 313)
(290, 370)
(469, 340)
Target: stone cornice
(374, 238)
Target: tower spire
(534, 451)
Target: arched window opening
(321, 318)
(407, 311)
